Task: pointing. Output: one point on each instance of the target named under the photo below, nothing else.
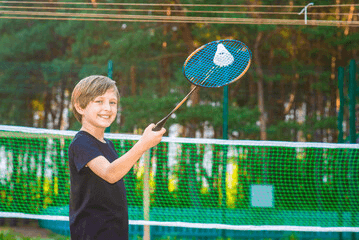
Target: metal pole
(110, 68)
(225, 112)
(305, 11)
(352, 93)
(341, 103)
(340, 126)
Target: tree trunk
(47, 107)
(133, 80)
(165, 64)
(333, 99)
(62, 105)
(259, 71)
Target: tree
(291, 82)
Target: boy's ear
(78, 108)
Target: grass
(9, 234)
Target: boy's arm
(113, 172)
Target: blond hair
(88, 89)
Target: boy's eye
(112, 102)
(98, 101)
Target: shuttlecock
(222, 57)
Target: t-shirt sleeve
(84, 150)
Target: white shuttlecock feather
(223, 57)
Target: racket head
(218, 63)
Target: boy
(98, 205)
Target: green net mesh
(193, 180)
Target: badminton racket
(213, 65)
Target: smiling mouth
(105, 117)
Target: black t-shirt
(98, 209)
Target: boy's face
(100, 112)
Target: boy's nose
(107, 106)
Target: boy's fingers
(150, 127)
(163, 130)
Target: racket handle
(160, 124)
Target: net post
(146, 194)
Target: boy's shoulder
(85, 138)
(82, 138)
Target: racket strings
(218, 63)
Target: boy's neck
(97, 133)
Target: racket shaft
(161, 123)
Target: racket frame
(162, 122)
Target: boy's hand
(151, 138)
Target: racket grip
(159, 125)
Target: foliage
(41, 61)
